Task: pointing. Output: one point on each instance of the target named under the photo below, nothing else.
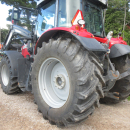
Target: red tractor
(67, 62)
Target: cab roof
(102, 3)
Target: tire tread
(89, 80)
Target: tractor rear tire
(9, 84)
(122, 86)
(82, 78)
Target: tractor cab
(59, 13)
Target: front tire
(9, 84)
(82, 76)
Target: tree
(16, 3)
(117, 17)
(24, 21)
(125, 3)
(4, 33)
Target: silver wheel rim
(5, 75)
(54, 82)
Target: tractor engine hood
(116, 41)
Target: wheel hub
(5, 75)
(54, 82)
(59, 81)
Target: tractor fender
(118, 50)
(85, 38)
(13, 58)
(90, 44)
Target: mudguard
(20, 68)
(13, 57)
(118, 50)
(85, 38)
(90, 44)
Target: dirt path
(18, 112)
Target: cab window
(46, 17)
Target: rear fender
(85, 38)
(118, 50)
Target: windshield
(46, 17)
(66, 12)
(60, 14)
(93, 19)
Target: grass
(128, 98)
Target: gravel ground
(18, 112)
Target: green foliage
(127, 36)
(24, 21)
(128, 98)
(15, 3)
(4, 33)
(114, 20)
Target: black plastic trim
(118, 50)
(90, 43)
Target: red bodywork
(102, 40)
(76, 29)
(118, 40)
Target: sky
(3, 15)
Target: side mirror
(15, 15)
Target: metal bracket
(112, 75)
(113, 95)
(125, 74)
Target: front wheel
(66, 82)
(9, 83)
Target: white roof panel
(103, 1)
(38, 2)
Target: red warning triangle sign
(78, 16)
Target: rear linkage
(112, 74)
(111, 79)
